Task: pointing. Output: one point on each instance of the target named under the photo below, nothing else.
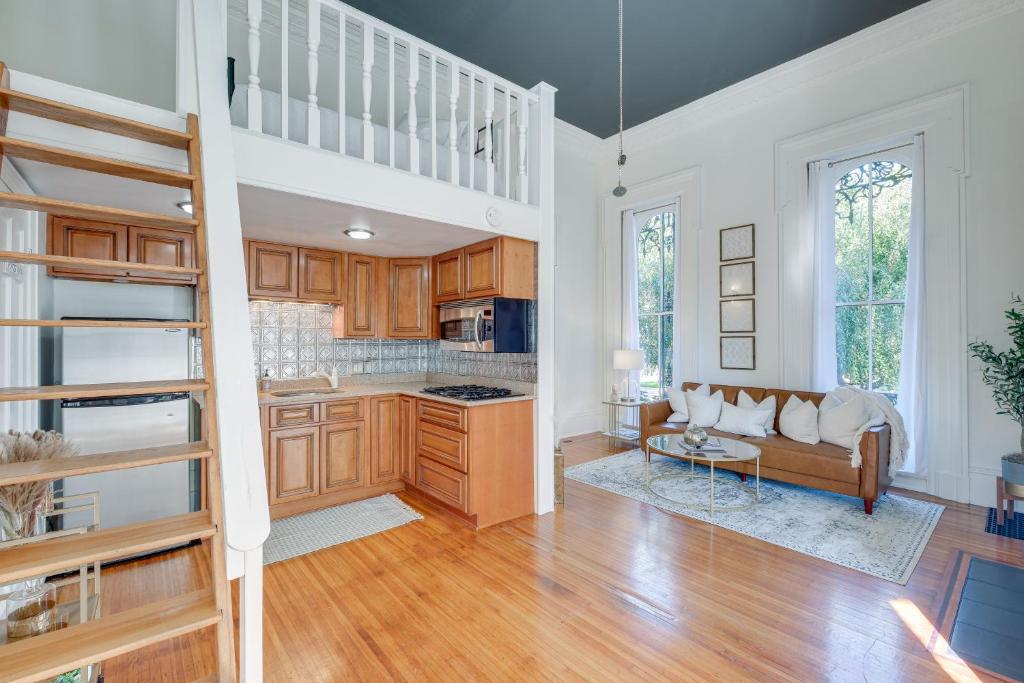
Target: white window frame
(663, 209)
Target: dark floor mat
(986, 630)
(1011, 528)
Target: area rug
(312, 531)
(887, 544)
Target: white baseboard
(983, 485)
(580, 423)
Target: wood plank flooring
(604, 589)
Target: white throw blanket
(899, 443)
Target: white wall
(118, 47)
(731, 137)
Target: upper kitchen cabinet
(157, 246)
(503, 266)
(362, 298)
(321, 276)
(273, 270)
(408, 294)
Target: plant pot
(1013, 469)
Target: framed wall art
(736, 243)
(737, 353)
(736, 279)
(736, 315)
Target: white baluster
(284, 69)
(453, 123)
(488, 133)
(506, 149)
(433, 116)
(342, 59)
(367, 91)
(313, 68)
(391, 100)
(414, 78)
(524, 116)
(472, 131)
(254, 96)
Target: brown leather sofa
(822, 466)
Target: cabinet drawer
(443, 414)
(443, 445)
(287, 416)
(442, 483)
(350, 409)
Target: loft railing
(371, 91)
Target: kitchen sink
(305, 392)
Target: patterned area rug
(312, 531)
(887, 544)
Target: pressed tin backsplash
(293, 340)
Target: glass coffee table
(672, 446)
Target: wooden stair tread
(92, 264)
(133, 324)
(45, 393)
(45, 470)
(33, 105)
(31, 151)
(54, 555)
(52, 654)
(95, 212)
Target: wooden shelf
(47, 393)
(51, 556)
(92, 264)
(94, 212)
(76, 116)
(45, 470)
(22, 149)
(133, 324)
(52, 654)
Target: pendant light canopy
(620, 189)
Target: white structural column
(313, 69)
(367, 91)
(254, 95)
(413, 81)
(342, 60)
(524, 117)
(453, 122)
(489, 133)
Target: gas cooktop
(470, 392)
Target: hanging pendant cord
(620, 160)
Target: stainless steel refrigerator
(116, 423)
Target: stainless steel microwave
(498, 325)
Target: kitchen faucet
(332, 378)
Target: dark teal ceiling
(676, 51)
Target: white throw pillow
(677, 400)
(745, 421)
(744, 401)
(839, 421)
(704, 410)
(799, 421)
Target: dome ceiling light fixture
(359, 233)
(620, 189)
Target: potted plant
(1004, 372)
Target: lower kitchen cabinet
(343, 456)
(294, 455)
(384, 439)
(407, 437)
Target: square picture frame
(737, 353)
(736, 315)
(736, 280)
(736, 243)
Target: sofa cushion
(823, 460)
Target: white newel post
(284, 70)
(488, 133)
(414, 78)
(254, 95)
(524, 117)
(506, 149)
(313, 68)
(342, 59)
(391, 100)
(453, 122)
(367, 91)
(244, 487)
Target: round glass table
(673, 446)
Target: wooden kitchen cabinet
(361, 300)
(384, 451)
(407, 438)
(448, 276)
(483, 269)
(161, 247)
(273, 270)
(321, 275)
(294, 460)
(408, 293)
(342, 456)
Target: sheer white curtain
(911, 397)
(631, 287)
(821, 183)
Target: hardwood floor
(604, 589)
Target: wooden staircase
(46, 656)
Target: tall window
(872, 232)
(656, 245)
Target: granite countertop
(357, 390)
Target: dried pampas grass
(21, 504)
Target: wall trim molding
(932, 21)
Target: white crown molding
(920, 25)
(578, 141)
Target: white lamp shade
(627, 359)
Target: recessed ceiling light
(186, 207)
(359, 233)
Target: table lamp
(627, 359)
